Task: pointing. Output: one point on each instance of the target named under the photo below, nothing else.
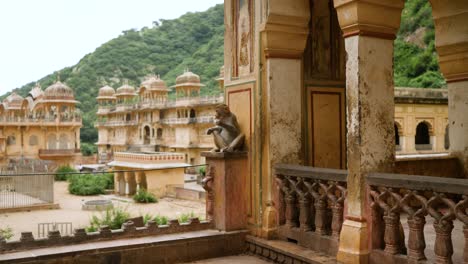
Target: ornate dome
(14, 100)
(188, 78)
(125, 89)
(154, 82)
(106, 91)
(59, 90)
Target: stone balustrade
(311, 202)
(116, 123)
(159, 157)
(80, 236)
(417, 198)
(40, 120)
(187, 120)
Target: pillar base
(354, 246)
(229, 188)
(270, 226)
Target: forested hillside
(195, 40)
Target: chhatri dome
(154, 82)
(14, 100)
(106, 92)
(36, 91)
(188, 78)
(125, 89)
(59, 90)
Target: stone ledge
(172, 248)
(128, 230)
(48, 206)
(224, 155)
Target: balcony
(42, 121)
(186, 120)
(57, 153)
(115, 123)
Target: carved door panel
(326, 127)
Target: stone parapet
(80, 236)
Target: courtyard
(70, 211)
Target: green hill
(195, 40)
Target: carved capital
(286, 28)
(375, 18)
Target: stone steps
(279, 251)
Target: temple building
(44, 125)
(147, 120)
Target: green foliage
(6, 233)
(143, 196)
(202, 170)
(114, 218)
(88, 149)
(63, 173)
(195, 40)
(185, 218)
(416, 66)
(88, 184)
(161, 220)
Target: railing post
(443, 247)
(416, 241)
(392, 233)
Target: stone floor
(70, 211)
(241, 259)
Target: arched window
(423, 138)
(397, 135)
(63, 141)
(159, 133)
(11, 140)
(192, 113)
(447, 138)
(33, 140)
(146, 138)
(51, 141)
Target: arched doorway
(147, 135)
(192, 113)
(422, 139)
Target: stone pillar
(370, 113)
(128, 180)
(451, 37)
(283, 39)
(139, 179)
(117, 177)
(229, 189)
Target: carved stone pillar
(451, 37)
(369, 28)
(229, 189)
(283, 40)
(128, 180)
(139, 175)
(117, 177)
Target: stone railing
(311, 202)
(40, 120)
(419, 199)
(187, 120)
(80, 236)
(58, 152)
(149, 157)
(116, 123)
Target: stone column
(128, 180)
(139, 179)
(283, 39)
(229, 189)
(369, 29)
(451, 35)
(117, 177)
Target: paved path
(70, 211)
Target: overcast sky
(39, 37)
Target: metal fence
(65, 228)
(26, 190)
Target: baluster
(304, 206)
(416, 241)
(460, 212)
(443, 225)
(392, 233)
(337, 208)
(416, 222)
(320, 208)
(290, 200)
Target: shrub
(185, 218)
(63, 173)
(114, 218)
(143, 196)
(87, 184)
(109, 177)
(161, 220)
(6, 233)
(202, 171)
(88, 149)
